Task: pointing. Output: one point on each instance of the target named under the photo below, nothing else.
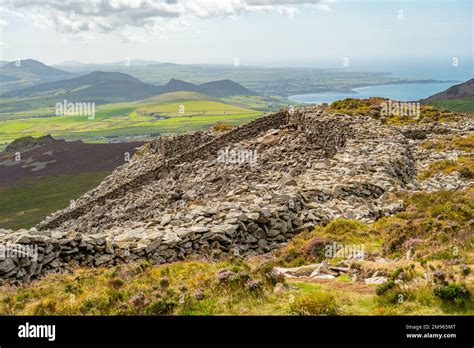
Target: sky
(370, 34)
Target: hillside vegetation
(19, 208)
(458, 105)
(234, 286)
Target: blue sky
(370, 34)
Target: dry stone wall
(161, 169)
(169, 203)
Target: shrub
(383, 288)
(315, 303)
(316, 247)
(116, 283)
(160, 307)
(453, 293)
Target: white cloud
(140, 18)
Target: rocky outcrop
(178, 196)
(28, 143)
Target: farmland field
(161, 115)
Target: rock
(260, 234)
(375, 280)
(6, 265)
(273, 233)
(279, 289)
(323, 276)
(104, 259)
(291, 182)
(153, 245)
(303, 271)
(322, 268)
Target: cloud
(133, 18)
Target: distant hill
(102, 87)
(132, 62)
(224, 88)
(178, 85)
(460, 91)
(28, 72)
(97, 86)
(218, 89)
(49, 173)
(27, 143)
(177, 96)
(8, 78)
(458, 98)
(46, 157)
(31, 66)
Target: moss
(373, 107)
(310, 246)
(465, 143)
(221, 127)
(354, 107)
(463, 164)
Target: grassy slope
(197, 287)
(19, 208)
(459, 105)
(439, 222)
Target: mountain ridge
(102, 84)
(459, 91)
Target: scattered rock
(375, 280)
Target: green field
(459, 105)
(19, 208)
(165, 114)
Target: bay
(402, 92)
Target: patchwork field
(166, 114)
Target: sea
(439, 71)
(402, 92)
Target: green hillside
(459, 105)
(20, 209)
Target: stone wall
(172, 146)
(61, 250)
(243, 132)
